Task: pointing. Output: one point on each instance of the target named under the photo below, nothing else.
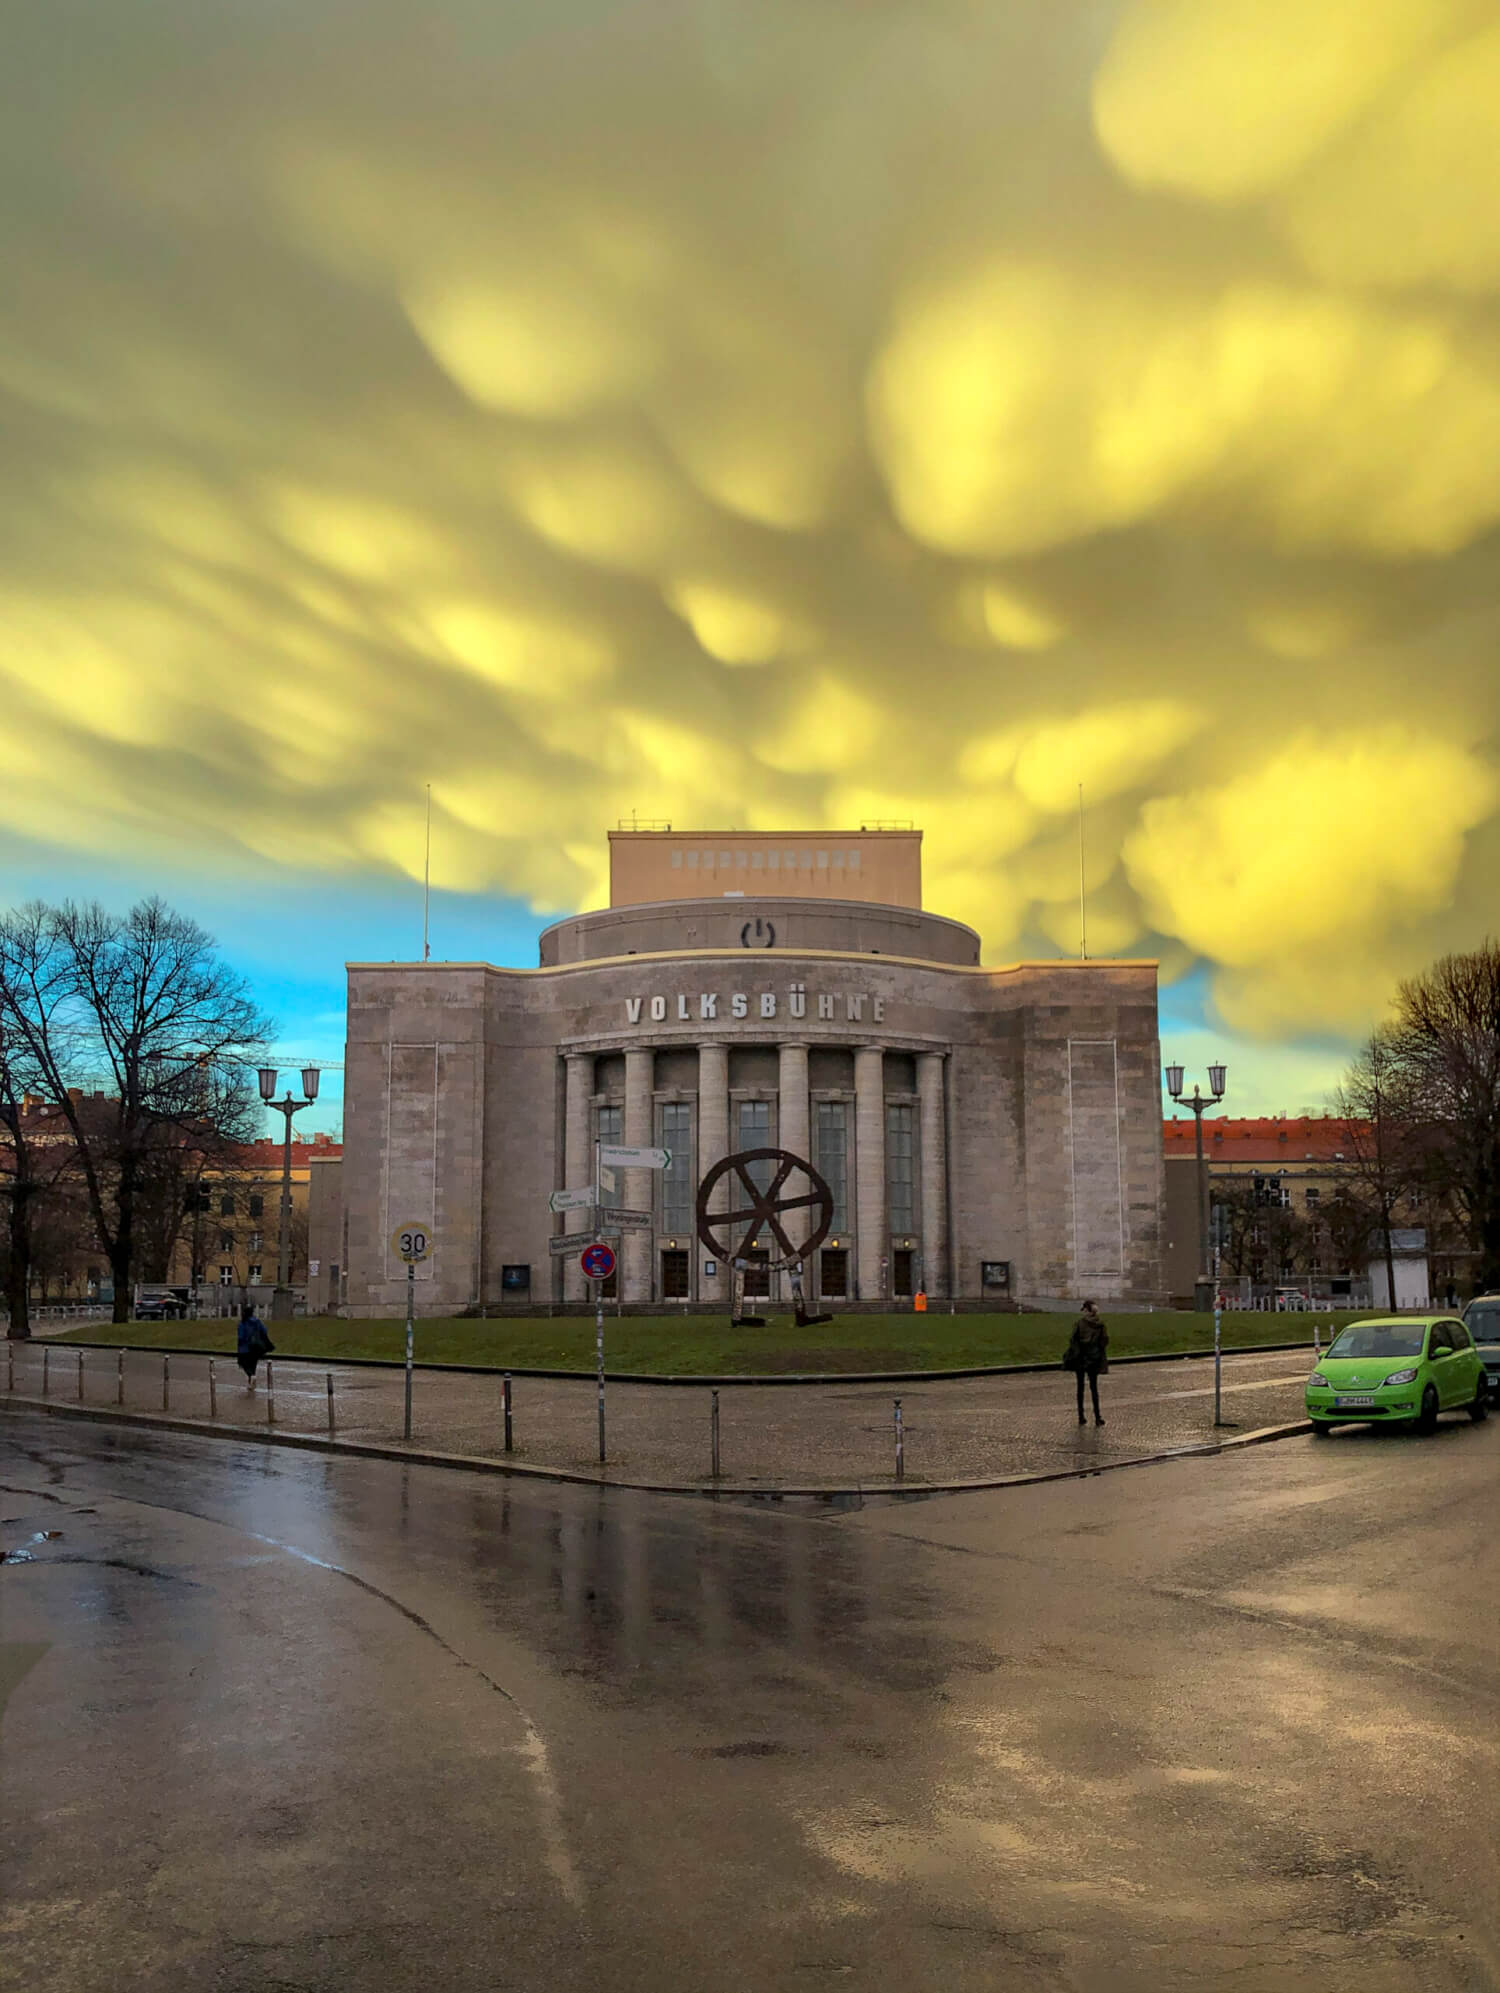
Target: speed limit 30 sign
(413, 1243)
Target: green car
(1406, 1369)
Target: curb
(705, 1382)
(772, 1491)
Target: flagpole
(1083, 922)
(427, 875)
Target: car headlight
(1322, 1382)
(1401, 1377)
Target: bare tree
(1236, 1213)
(1374, 1105)
(144, 1002)
(1445, 1045)
(32, 1163)
(1349, 1220)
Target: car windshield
(1483, 1322)
(1369, 1340)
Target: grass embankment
(706, 1346)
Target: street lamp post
(281, 1300)
(1198, 1102)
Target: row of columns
(794, 1133)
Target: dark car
(1482, 1320)
(157, 1304)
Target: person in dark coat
(1087, 1355)
(254, 1343)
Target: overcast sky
(762, 413)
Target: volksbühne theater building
(988, 1134)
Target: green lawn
(705, 1345)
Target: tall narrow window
(900, 1200)
(831, 1157)
(611, 1129)
(677, 1179)
(755, 1133)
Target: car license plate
(1360, 1398)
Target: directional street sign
(571, 1200)
(598, 1262)
(635, 1159)
(565, 1243)
(614, 1220)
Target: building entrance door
(833, 1273)
(674, 1276)
(758, 1274)
(901, 1285)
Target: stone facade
(995, 1132)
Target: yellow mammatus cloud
(1016, 620)
(584, 420)
(527, 346)
(730, 623)
(1412, 197)
(527, 653)
(1309, 854)
(1106, 749)
(1021, 406)
(367, 539)
(827, 728)
(1225, 99)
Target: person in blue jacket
(253, 1344)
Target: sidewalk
(814, 1437)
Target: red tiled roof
(1298, 1138)
(267, 1154)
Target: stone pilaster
(578, 1148)
(793, 1130)
(638, 1186)
(713, 1146)
(934, 1144)
(869, 1166)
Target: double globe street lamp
(281, 1300)
(1198, 1102)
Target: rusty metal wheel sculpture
(763, 1210)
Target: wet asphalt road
(283, 1721)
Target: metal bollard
(45, 1354)
(213, 1391)
(270, 1394)
(10, 1365)
(900, 1445)
(120, 1378)
(80, 1376)
(330, 1404)
(713, 1428)
(505, 1400)
(166, 1381)
(1317, 1346)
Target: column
(934, 1146)
(791, 1115)
(713, 1146)
(578, 1158)
(869, 1169)
(639, 1186)
(793, 1135)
